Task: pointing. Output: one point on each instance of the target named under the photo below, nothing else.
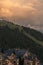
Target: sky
(24, 12)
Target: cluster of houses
(18, 57)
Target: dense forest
(16, 36)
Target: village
(18, 57)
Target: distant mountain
(36, 27)
(16, 36)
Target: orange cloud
(16, 8)
(21, 9)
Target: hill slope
(12, 35)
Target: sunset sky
(24, 12)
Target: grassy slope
(33, 38)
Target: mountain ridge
(16, 36)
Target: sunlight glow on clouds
(16, 7)
(24, 12)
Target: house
(37, 62)
(30, 60)
(7, 62)
(20, 52)
(10, 57)
(17, 61)
(25, 54)
(19, 57)
(25, 61)
(1, 56)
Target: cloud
(36, 27)
(16, 7)
(24, 12)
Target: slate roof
(17, 52)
